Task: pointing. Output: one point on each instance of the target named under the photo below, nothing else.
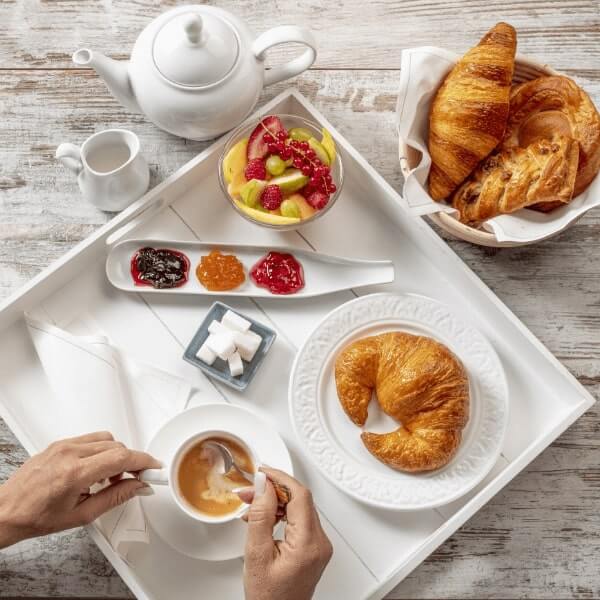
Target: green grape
(251, 191)
(300, 134)
(275, 165)
(289, 208)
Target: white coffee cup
(110, 170)
(168, 476)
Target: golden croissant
(469, 112)
(419, 383)
(515, 178)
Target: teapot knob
(193, 28)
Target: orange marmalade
(220, 272)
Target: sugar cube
(217, 327)
(234, 322)
(247, 343)
(206, 355)
(222, 344)
(236, 366)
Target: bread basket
(525, 70)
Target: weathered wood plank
(351, 33)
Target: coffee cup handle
(155, 476)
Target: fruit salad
(281, 177)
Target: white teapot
(197, 71)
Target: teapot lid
(195, 49)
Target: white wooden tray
(374, 549)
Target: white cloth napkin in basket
(423, 69)
(96, 387)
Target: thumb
(109, 497)
(261, 517)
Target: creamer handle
(70, 156)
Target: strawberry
(318, 200)
(258, 147)
(255, 169)
(271, 197)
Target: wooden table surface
(540, 536)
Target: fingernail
(246, 488)
(260, 481)
(145, 490)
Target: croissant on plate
(419, 383)
(469, 112)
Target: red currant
(268, 138)
(304, 146)
(281, 136)
(310, 153)
(280, 147)
(306, 170)
(332, 188)
(298, 163)
(272, 148)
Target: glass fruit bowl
(281, 171)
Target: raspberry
(317, 200)
(271, 197)
(255, 169)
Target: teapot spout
(114, 73)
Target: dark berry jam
(160, 268)
(278, 272)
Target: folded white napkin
(96, 387)
(422, 72)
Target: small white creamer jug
(110, 169)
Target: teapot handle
(282, 35)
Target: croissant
(468, 115)
(515, 178)
(546, 106)
(419, 383)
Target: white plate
(199, 540)
(333, 441)
(323, 274)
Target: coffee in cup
(196, 482)
(201, 484)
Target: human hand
(51, 491)
(290, 568)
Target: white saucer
(333, 441)
(190, 537)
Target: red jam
(160, 268)
(278, 272)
